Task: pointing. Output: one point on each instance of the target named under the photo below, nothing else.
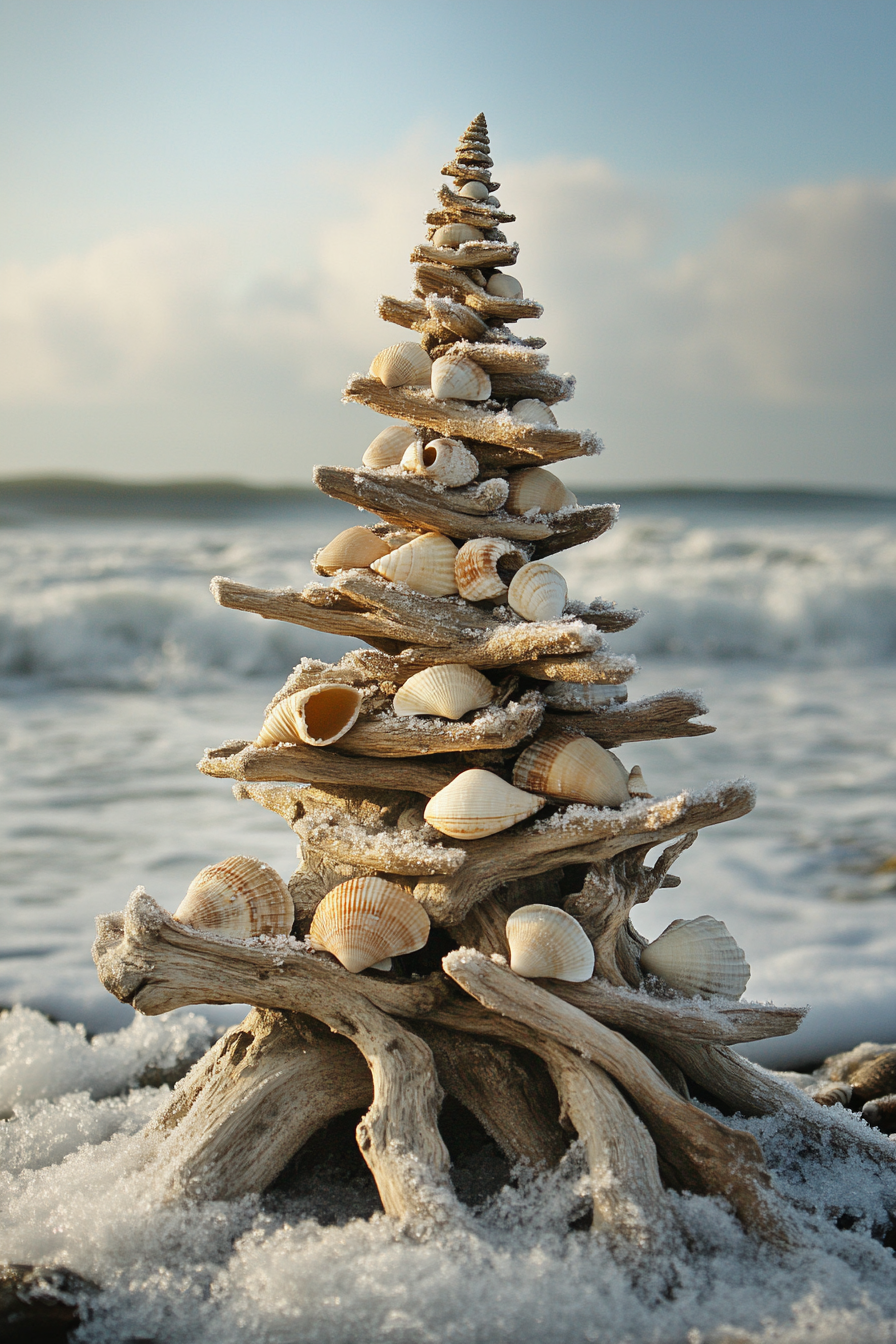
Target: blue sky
(202, 202)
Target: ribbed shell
(401, 365)
(240, 897)
(504, 286)
(581, 697)
(876, 1077)
(367, 921)
(637, 784)
(459, 378)
(476, 191)
(355, 548)
(548, 943)
(535, 488)
(476, 568)
(425, 564)
(389, 446)
(533, 412)
(452, 235)
(449, 690)
(444, 460)
(537, 592)
(477, 803)
(567, 765)
(318, 715)
(698, 956)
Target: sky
(203, 199)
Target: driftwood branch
(472, 254)
(665, 715)
(431, 278)
(320, 765)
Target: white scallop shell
(533, 412)
(449, 689)
(698, 956)
(451, 235)
(535, 488)
(240, 897)
(547, 943)
(444, 460)
(459, 378)
(318, 715)
(504, 286)
(537, 592)
(476, 568)
(355, 548)
(425, 564)
(475, 191)
(582, 698)
(401, 365)
(477, 803)
(388, 448)
(568, 765)
(637, 784)
(367, 921)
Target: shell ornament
(239, 897)
(546, 942)
(537, 592)
(570, 766)
(449, 690)
(458, 378)
(698, 957)
(355, 548)
(504, 286)
(445, 461)
(389, 446)
(425, 564)
(319, 715)
(533, 489)
(477, 803)
(485, 566)
(366, 922)
(403, 365)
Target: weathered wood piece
(690, 1020)
(488, 730)
(439, 318)
(471, 254)
(667, 714)
(486, 216)
(320, 765)
(432, 278)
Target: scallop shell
(444, 460)
(388, 448)
(240, 897)
(402, 364)
(504, 286)
(318, 715)
(533, 412)
(355, 548)
(582, 698)
(535, 488)
(548, 943)
(425, 564)
(452, 235)
(367, 921)
(637, 784)
(449, 689)
(570, 766)
(474, 191)
(698, 956)
(477, 803)
(460, 378)
(537, 592)
(476, 568)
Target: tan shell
(533, 412)
(367, 921)
(475, 191)
(548, 943)
(568, 765)
(476, 568)
(318, 715)
(446, 461)
(425, 564)
(535, 488)
(637, 784)
(477, 803)
(698, 956)
(240, 897)
(389, 446)
(459, 378)
(537, 592)
(452, 235)
(355, 548)
(832, 1094)
(402, 364)
(875, 1077)
(504, 286)
(449, 689)
(582, 698)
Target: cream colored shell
(504, 286)
(477, 803)
(446, 461)
(318, 715)
(535, 488)
(389, 446)
(367, 921)
(537, 592)
(533, 412)
(546, 942)
(459, 378)
(355, 548)
(449, 690)
(425, 564)
(570, 766)
(240, 897)
(637, 784)
(452, 235)
(476, 568)
(401, 365)
(698, 956)
(582, 698)
(476, 191)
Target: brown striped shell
(484, 567)
(573, 767)
(240, 897)
(367, 921)
(875, 1077)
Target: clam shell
(568, 765)
(548, 943)
(698, 956)
(355, 548)
(459, 378)
(476, 568)
(388, 448)
(318, 715)
(452, 235)
(875, 1077)
(637, 784)
(582, 698)
(425, 564)
(402, 364)
(474, 191)
(537, 592)
(450, 690)
(367, 921)
(504, 286)
(533, 412)
(477, 803)
(240, 897)
(535, 488)
(881, 1112)
(444, 460)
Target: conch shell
(537, 592)
(504, 286)
(240, 897)
(534, 488)
(452, 235)
(477, 803)
(484, 567)
(446, 461)
(355, 548)
(567, 765)
(578, 697)
(389, 446)
(698, 956)
(402, 364)
(318, 715)
(460, 378)
(425, 564)
(368, 921)
(449, 689)
(548, 943)
(533, 412)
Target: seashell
(388, 448)
(484, 566)
(477, 803)
(368, 921)
(582, 698)
(881, 1112)
(504, 286)
(533, 412)
(460, 378)
(474, 191)
(568, 765)
(402, 364)
(444, 460)
(832, 1094)
(240, 897)
(875, 1077)
(548, 943)
(535, 488)
(452, 235)
(318, 715)
(637, 785)
(411, 819)
(537, 592)
(698, 956)
(425, 564)
(449, 689)
(355, 548)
